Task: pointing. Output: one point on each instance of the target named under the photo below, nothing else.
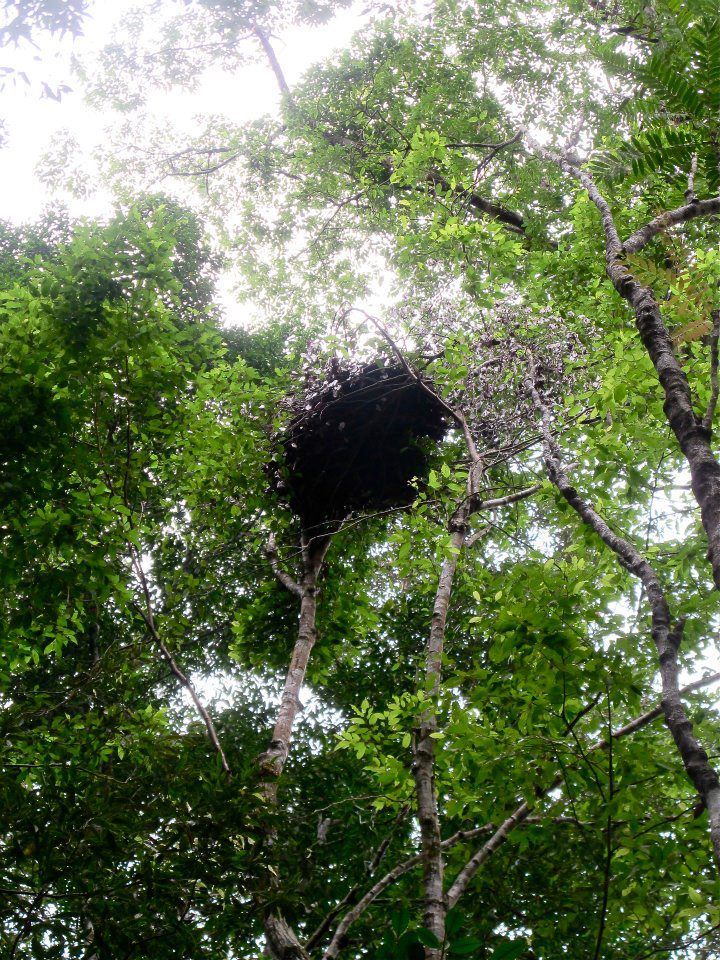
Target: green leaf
(510, 950)
(465, 947)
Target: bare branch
(487, 146)
(510, 498)
(509, 218)
(361, 906)
(644, 719)
(485, 852)
(473, 538)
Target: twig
(479, 145)
(420, 380)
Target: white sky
(33, 122)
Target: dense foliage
(482, 747)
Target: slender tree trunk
(435, 906)
(692, 433)
(282, 942)
(693, 436)
(272, 762)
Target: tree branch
(714, 386)
(149, 619)
(692, 437)
(398, 871)
(285, 579)
(689, 211)
(666, 638)
(372, 866)
(521, 814)
(273, 760)
(424, 764)
(512, 220)
(510, 498)
(272, 60)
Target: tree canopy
(384, 625)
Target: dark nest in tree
(355, 442)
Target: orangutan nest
(354, 442)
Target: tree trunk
(281, 941)
(435, 906)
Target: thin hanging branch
(149, 618)
(608, 842)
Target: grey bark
(666, 637)
(272, 761)
(691, 433)
(281, 941)
(423, 768)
